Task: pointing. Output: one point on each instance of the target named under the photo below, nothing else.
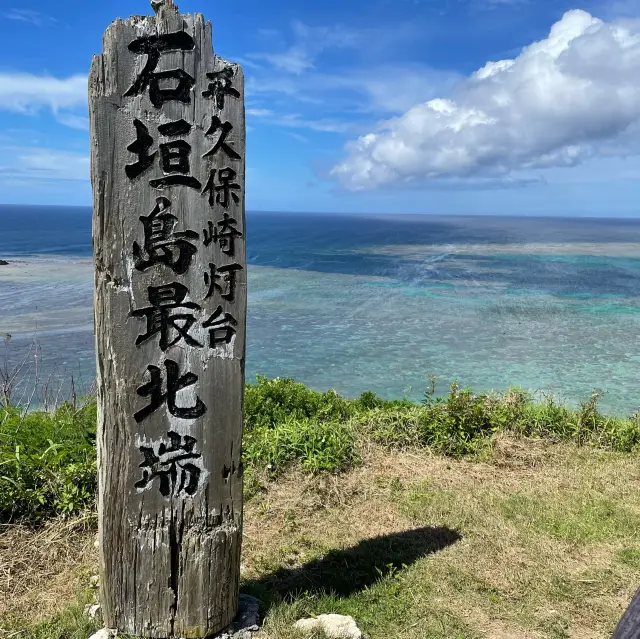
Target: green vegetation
(47, 462)
(48, 467)
(467, 516)
(70, 623)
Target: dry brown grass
(517, 571)
(505, 578)
(42, 569)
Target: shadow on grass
(346, 572)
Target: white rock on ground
(91, 610)
(333, 626)
(105, 633)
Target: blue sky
(447, 106)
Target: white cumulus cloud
(570, 97)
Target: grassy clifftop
(473, 515)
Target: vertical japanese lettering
(176, 466)
(221, 86)
(163, 245)
(161, 318)
(223, 280)
(154, 81)
(174, 384)
(174, 155)
(225, 236)
(222, 327)
(223, 191)
(140, 146)
(224, 129)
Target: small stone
(333, 626)
(92, 610)
(94, 582)
(105, 633)
(4, 263)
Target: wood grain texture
(169, 564)
(629, 626)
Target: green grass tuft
(317, 445)
(629, 557)
(70, 623)
(269, 403)
(575, 517)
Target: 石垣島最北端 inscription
(168, 175)
(176, 467)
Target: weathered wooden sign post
(168, 171)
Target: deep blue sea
(371, 302)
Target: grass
(68, 623)
(45, 573)
(410, 543)
(473, 515)
(47, 462)
(48, 467)
(508, 574)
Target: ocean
(369, 302)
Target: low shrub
(48, 460)
(270, 402)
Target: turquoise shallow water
(394, 336)
(376, 303)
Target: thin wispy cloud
(25, 92)
(617, 9)
(79, 122)
(336, 99)
(297, 137)
(30, 94)
(308, 44)
(357, 96)
(492, 4)
(298, 121)
(39, 164)
(260, 113)
(26, 15)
